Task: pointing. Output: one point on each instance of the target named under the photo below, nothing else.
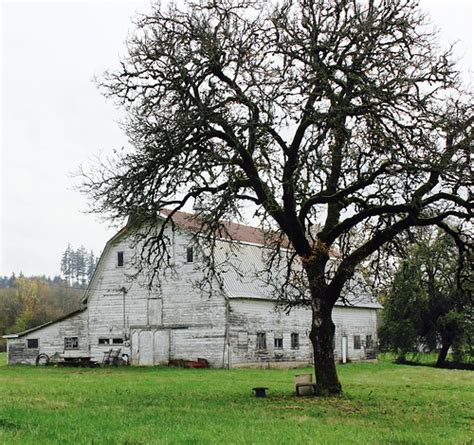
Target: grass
(382, 404)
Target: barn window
(278, 343)
(189, 255)
(33, 343)
(117, 341)
(243, 341)
(295, 340)
(71, 342)
(119, 259)
(356, 341)
(369, 342)
(104, 341)
(261, 340)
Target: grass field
(382, 404)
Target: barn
(238, 324)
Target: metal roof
(242, 270)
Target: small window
(261, 340)
(295, 340)
(119, 259)
(369, 342)
(189, 255)
(117, 341)
(33, 343)
(356, 341)
(243, 341)
(104, 341)
(71, 342)
(278, 343)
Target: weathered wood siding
(249, 317)
(176, 321)
(179, 321)
(115, 302)
(51, 340)
(352, 321)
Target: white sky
(53, 118)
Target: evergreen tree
(91, 265)
(67, 264)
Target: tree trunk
(322, 338)
(441, 362)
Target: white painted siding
(51, 340)
(181, 321)
(248, 317)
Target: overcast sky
(53, 118)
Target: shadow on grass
(447, 365)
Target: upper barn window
(189, 255)
(119, 259)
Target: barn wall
(120, 307)
(351, 321)
(116, 302)
(249, 317)
(51, 340)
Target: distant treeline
(26, 302)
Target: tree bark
(443, 353)
(322, 338)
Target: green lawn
(382, 404)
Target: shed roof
(36, 328)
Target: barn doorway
(150, 347)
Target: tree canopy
(339, 121)
(430, 303)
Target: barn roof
(242, 262)
(241, 268)
(234, 231)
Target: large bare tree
(338, 120)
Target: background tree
(67, 264)
(78, 266)
(91, 264)
(427, 305)
(337, 120)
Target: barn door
(150, 347)
(145, 342)
(162, 345)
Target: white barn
(236, 326)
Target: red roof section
(237, 232)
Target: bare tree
(338, 120)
